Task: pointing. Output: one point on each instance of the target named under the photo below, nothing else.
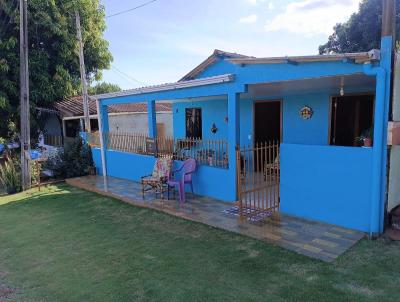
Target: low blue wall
(207, 181)
(327, 183)
(124, 165)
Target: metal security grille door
(258, 179)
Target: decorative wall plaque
(306, 112)
(151, 146)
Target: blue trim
(191, 92)
(246, 75)
(387, 45)
(382, 100)
(261, 73)
(104, 118)
(151, 112)
(233, 139)
(376, 200)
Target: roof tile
(73, 107)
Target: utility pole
(24, 96)
(83, 73)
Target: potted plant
(366, 137)
(9, 176)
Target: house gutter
(376, 202)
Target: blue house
(308, 134)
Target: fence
(56, 140)
(206, 152)
(258, 178)
(212, 153)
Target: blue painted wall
(261, 73)
(327, 183)
(206, 180)
(313, 131)
(214, 111)
(96, 154)
(218, 68)
(124, 165)
(295, 129)
(246, 122)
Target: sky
(161, 42)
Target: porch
(317, 240)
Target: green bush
(10, 175)
(74, 160)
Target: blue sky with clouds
(162, 41)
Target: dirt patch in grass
(5, 292)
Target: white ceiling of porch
(315, 85)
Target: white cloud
(312, 17)
(255, 2)
(249, 19)
(271, 6)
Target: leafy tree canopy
(53, 59)
(103, 87)
(362, 32)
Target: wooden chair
(272, 168)
(157, 181)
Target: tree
(53, 59)
(362, 32)
(103, 88)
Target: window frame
(330, 111)
(200, 126)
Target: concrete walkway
(317, 240)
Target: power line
(127, 76)
(131, 9)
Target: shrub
(74, 160)
(10, 176)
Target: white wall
(138, 122)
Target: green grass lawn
(65, 244)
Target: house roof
(190, 79)
(224, 78)
(217, 54)
(74, 107)
(358, 57)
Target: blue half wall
(327, 183)
(207, 181)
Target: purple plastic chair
(185, 177)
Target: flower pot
(367, 142)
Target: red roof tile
(73, 107)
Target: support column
(102, 115)
(151, 112)
(82, 125)
(388, 36)
(64, 128)
(233, 140)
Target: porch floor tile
(313, 239)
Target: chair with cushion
(157, 181)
